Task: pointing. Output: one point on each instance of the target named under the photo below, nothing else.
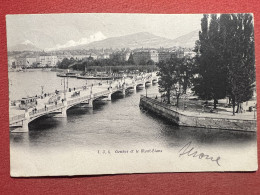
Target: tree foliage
(237, 45)
(225, 58)
(174, 77)
(65, 63)
(131, 59)
(210, 82)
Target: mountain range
(142, 39)
(25, 46)
(132, 41)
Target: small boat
(85, 77)
(69, 74)
(94, 77)
(61, 74)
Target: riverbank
(141, 68)
(221, 120)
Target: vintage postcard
(104, 93)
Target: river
(72, 145)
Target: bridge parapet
(62, 107)
(45, 110)
(78, 100)
(101, 93)
(16, 118)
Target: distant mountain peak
(143, 33)
(98, 36)
(24, 46)
(142, 39)
(27, 42)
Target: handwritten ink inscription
(190, 151)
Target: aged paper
(131, 93)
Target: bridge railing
(78, 100)
(55, 106)
(35, 112)
(101, 93)
(46, 110)
(117, 88)
(16, 118)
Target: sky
(55, 31)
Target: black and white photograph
(110, 93)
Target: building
(61, 57)
(81, 56)
(24, 62)
(143, 56)
(30, 61)
(164, 55)
(47, 60)
(12, 62)
(103, 56)
(179, 53)
(154, 55)
(92, 55)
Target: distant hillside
(138, 40)
(187, 40)
(26, 46)
(132, 41)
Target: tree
(237, 41)
(131, 59)
(174, 79)
(224, 64)
(210, 82)
(58, 64)
(35, 65)
(142, 61)
(64, 63)
(150, 62)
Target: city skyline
(57, 31)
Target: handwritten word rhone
(190, 151)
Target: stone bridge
(20, 122)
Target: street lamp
(254, 111)
(64, 89)
(10, 82)
(42, 89)
(184, 98)
(67, 79)
(145, 89)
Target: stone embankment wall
(181, 119)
